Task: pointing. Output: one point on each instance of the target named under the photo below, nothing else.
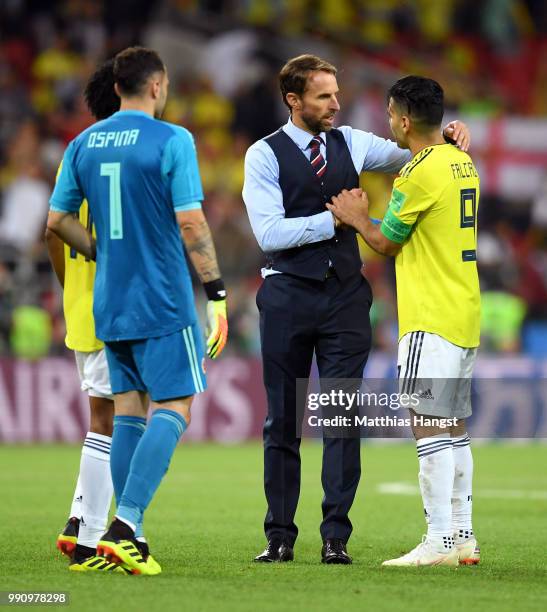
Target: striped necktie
(317, 161)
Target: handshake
(349, 208)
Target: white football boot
(469, 552)
(425, 554)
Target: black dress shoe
(277, 550)
(334, 551)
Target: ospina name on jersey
(124, 138)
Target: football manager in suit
(314, 298)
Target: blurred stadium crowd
(223, 58)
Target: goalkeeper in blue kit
(140, 177)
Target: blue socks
(128, 431)
(149, 463)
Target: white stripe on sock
(96, 444)
(427, 446)
(99, 437)
(420, 445)
(97, 440)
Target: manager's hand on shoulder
(457, 132)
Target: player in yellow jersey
(431, 229)
(93, 495)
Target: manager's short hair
(293, 77)
(421, 98)
(133, 67)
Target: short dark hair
(294, 75)
(133, 67)
(99, 94)
(421, 98)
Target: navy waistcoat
(304, 194)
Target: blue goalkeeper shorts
(167, 367)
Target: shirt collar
(300, 136)
(137, 113)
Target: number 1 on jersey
(113, 171)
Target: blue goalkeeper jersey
(135, 172)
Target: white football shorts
(436, 374)
(93, 371)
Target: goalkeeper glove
(217, 319)
(217, 327)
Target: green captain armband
(394, 229)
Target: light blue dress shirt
(264, 199)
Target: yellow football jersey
(433, 213)
(78, 295)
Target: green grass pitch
(205, 525)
